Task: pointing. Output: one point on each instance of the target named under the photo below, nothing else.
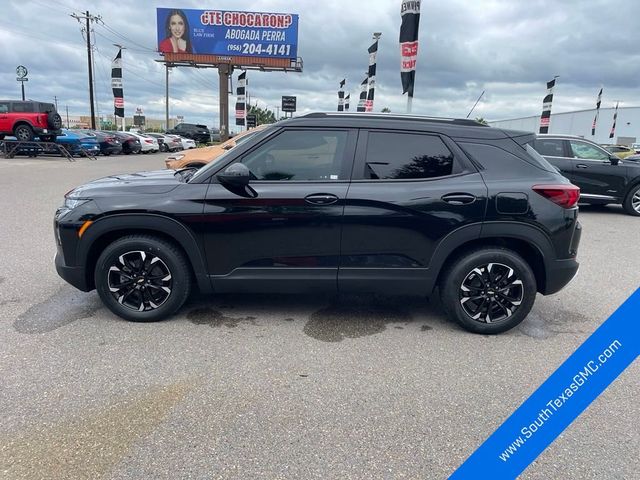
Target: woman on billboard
(177, 31)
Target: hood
(153, 182)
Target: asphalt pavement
(280, 386)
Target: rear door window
(394, 156)
(550, 147)
(23, 107)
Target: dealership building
(579, 123)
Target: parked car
(633, 158)
(636, 147)
(603, 178)
(201, 156)
(199, 133)
(147, 144)
(620, 151)
(26, 120)
(187, 143)
(130, 143)
(401, 204)
(78, 143)
(166, 143)
(109, 143)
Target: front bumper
(73, 275)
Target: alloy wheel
(491, 293)
(140, 281)
(635, 201)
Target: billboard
(230, 33)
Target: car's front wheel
(142, 278)
(632, 201)
(489, 290)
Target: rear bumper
(559, 274)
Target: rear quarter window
(503, 164)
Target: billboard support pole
(223, 72)
(166, 101)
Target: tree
(386, 110)
(482, 121)
(262, 116)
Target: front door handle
(581, 165)
(459, 198)
(321, 198)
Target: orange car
(199, 157)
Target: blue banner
(227, 33)
(560, 399)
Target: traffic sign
(289, 104)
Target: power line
(89, 19)
(115, 32)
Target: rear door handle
(321, 198)
(581, 165)
(459, 198)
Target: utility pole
(67, 107)
(89, 18)
(55, 100)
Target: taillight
(149, 141)
(565, 195)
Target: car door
(5, 122)
(557, 153)
(594, 172)
(284, 235)
(409, 190)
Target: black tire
(160, 287)
(631, 202)
(1, 137)
(504, 285)
(54, 120)
(48, 138)
(164, 148)
(24, 133)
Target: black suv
(26, 120)
(603, 177)
(199, 133)
(328, 203)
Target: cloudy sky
(508, 48)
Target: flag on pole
(546, 107)
(363, 95)
(613, 127)
(241, 97)
(595, 119)
(341, 96)
(346, 102)
(373, 50)
(410, 13)
(116, 85)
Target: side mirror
(236, 175)
(614, 159)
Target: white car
(187, 143)
(148, 144)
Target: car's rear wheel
(489, 290)
(632, 201)
(24, 133)
(142, 278)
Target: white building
(579, 123)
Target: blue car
(78, 143)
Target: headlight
(70, 202)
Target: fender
(151, 223)
(528, 233)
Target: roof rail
(395, 116)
